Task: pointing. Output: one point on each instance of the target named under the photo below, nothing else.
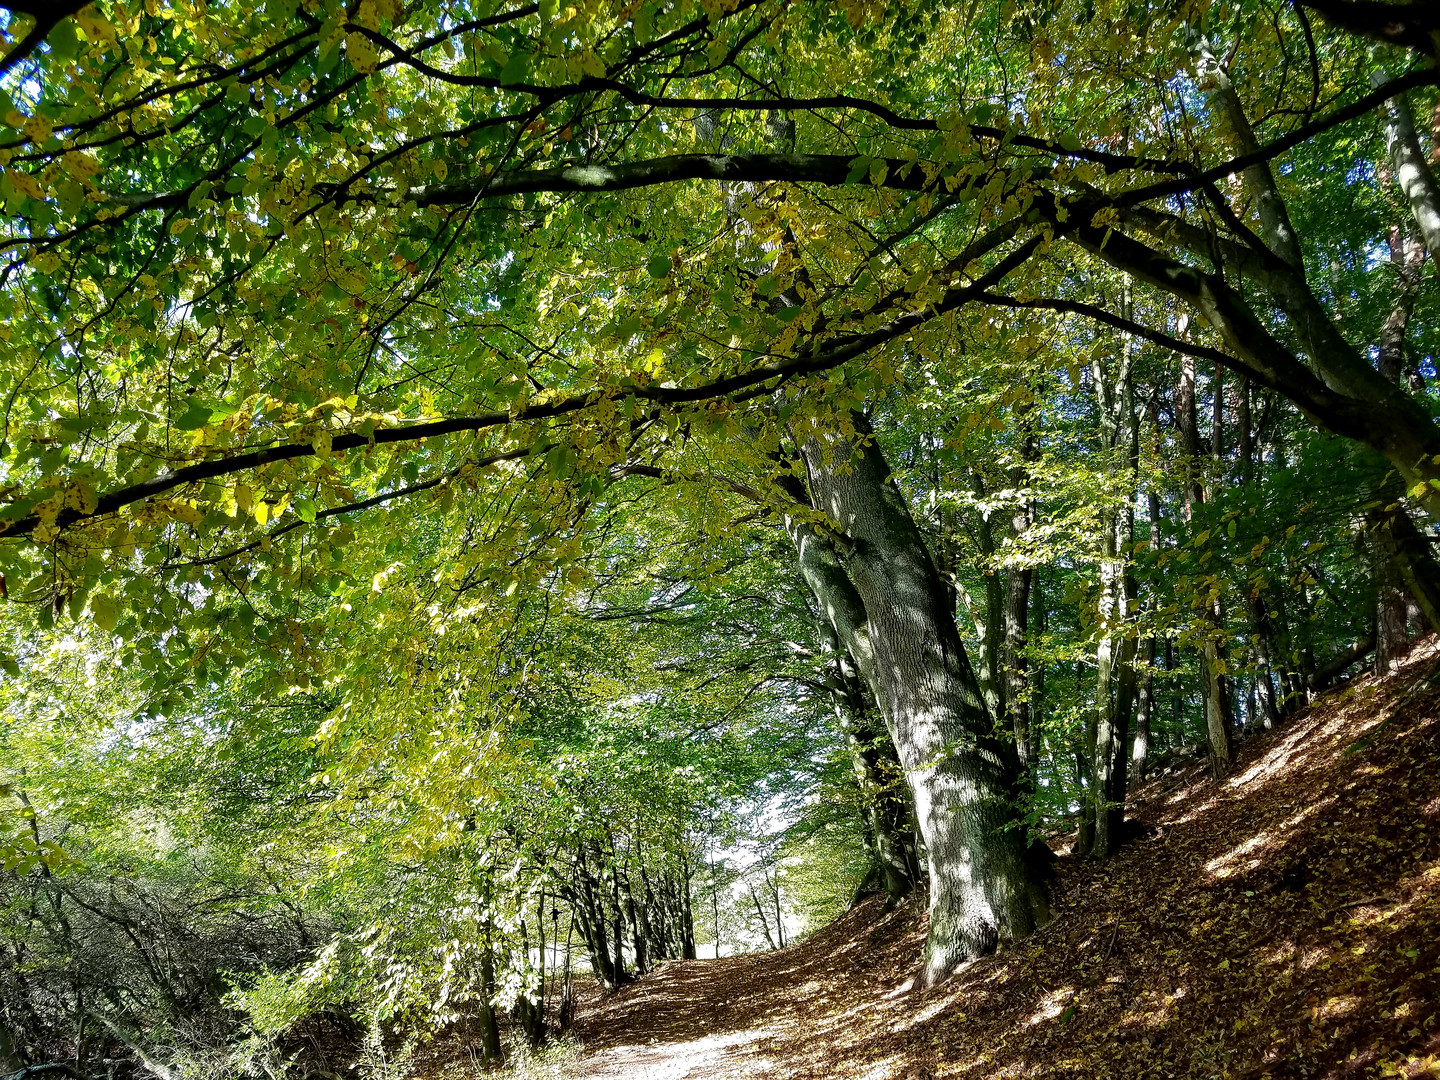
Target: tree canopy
(529, 448)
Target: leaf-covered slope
(1283, 924)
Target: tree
(301, 299)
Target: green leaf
(516, 68)
(659, 266)
(104, 611)
(195, 416)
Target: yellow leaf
(26, 184)
(360, 53)
(37, 129)
(94, 25)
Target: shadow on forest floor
(1285, 923)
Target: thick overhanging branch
(1411, 26)
(1390, 422)
(733, 387)
(47, 16)
(831, 170)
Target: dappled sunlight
(1282, 923)
(1223, 865)
(1051, 1006)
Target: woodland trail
(1285, 923)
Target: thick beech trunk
(885, 601)
(885, 815)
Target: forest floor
(1285, 923)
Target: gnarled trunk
(885, 601)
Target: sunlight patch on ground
(1222, 866)
(1051, 1006)
(668, 1061)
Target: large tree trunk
(885, 601)
(886, 817)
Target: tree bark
(884, 601)
(1412, 171)
(1115, 683)
(883, 810)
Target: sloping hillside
(1283, 924)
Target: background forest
(493, 489)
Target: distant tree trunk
(1034, 732)
(992, 634)
(567, 988)
(774, 884)
(1264, 630)
(687, 915)
(715, 909)
(885, 601)
(1115, 689)
(1218, 735)
(764, 923)
(1212, 683)
(1017, 610)
(1144, 709)
(637, 937)
(489, 1028)
(527, 1013)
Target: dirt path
(747, 1016)
(1285, 923)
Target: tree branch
(1410, 26)
(47, 16)
(660, 397)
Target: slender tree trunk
(1144, 709)
(1412, 172)
(993, 633)
(1017, 607)
(774, 884)
(637, 937)
(1217, 708)
(567, 989)
(489, 1028)
(764, 923)
(687, 915)
(986, 885)
(1119, 602)
(1034, 731)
